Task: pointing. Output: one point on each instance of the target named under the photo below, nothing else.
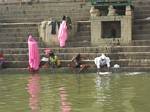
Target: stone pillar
(94, 12)
(111, 11)
(128, 10)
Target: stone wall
(19, 11)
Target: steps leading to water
(44, 11)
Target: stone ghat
(37, 1)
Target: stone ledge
(65, 70)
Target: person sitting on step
(77, 64)
(53, 60)
(102, 62)
(45, 60)
(50, 59)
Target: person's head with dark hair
(64, 18)
(51, 54)
(78, 56)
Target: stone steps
(141, 9)
(16, 39)
(19, 30)
(80, 38)
(23, 19)
(12, 12)
(141, 26)
(141, 37)
(17, 45)
(17, 34)
(141, 42)
(19, 25)
(99, 49)
(36, 11)
(64, 63)
(68, 70)
(83, 31)
(64, 56)
(141, 30)
(35, 1)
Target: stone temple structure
(118, 28)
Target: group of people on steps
(51, 60)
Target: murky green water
(75, 93)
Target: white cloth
(44, 59)
(100, 61)
(116, 66)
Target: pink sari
(63, 34)
(34, 57)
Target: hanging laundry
(53, 24)
(69, 22)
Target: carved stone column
(128, 10)
(111, 11)
(94, 12)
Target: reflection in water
(102, 85)
(65, 105)
(33, 90)
(78, 82)
(128, 94)
(75, 93)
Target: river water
(118, 92)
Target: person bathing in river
(77, 64)
(102, 62)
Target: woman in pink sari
(63, 33)
(34, 57)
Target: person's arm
(108, 62)
(97, 62)
(73, 59)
